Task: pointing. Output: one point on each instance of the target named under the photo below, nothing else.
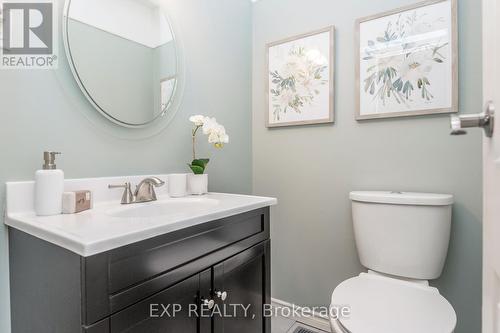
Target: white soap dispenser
(49, 187)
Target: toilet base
(336, 326)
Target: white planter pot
(197, 184)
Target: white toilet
(402, 238)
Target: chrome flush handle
(485, 120)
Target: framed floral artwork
(408, 61)
(300, 79)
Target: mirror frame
(165, 116)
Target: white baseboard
(316, 320)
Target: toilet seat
(381, 304)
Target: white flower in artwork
(388, 62)
(315, 57)
(294, 67)
(399, 64)
(414, 67)
(286, 98)
(296, 83)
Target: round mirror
(124, 57)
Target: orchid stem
(194, 141)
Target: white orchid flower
(209, 124)
(218, 136)
(198, 120)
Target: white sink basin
(110, 225)
(165, 207)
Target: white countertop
(100, 229)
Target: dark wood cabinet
(157, 314)
(237, 287)
(165, 284)
(242, 279)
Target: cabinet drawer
(165, 254)
(118, 278)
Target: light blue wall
(312, 169)
(42, 110)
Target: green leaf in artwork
(398, 84)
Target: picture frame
(167, 89)
(418, 48)
(300, 79)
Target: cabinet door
(241, 288)
(169, 311)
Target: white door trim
(491, 171)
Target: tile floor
(287, 325)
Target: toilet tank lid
(402, 198)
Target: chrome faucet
(144, 192)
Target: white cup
(177, 185)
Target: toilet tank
(402, 234)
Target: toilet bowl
(402, 238)
(382, 304)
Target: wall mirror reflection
(123, 55)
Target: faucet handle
(127, 197)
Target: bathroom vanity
(173, 265)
